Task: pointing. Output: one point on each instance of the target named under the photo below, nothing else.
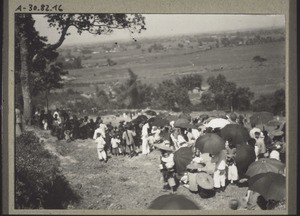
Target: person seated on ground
(189, 179)
(100, 147)
(167, 168)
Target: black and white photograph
(150, 111)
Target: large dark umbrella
(261, 117)
(245, 155)
(151, 120)
(264, 165)
(204, 116)
(210, 143)
(185, 116)
(172, 118)
(161, 115)
(159, 122)
(140, 119)
(270, 185)
(238, 134)
(151, 112)
(184, 123)
(183, 157)
(173, 202)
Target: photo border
(286, 7)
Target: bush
(38, 180)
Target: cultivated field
(234, 62)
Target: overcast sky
(168, 24)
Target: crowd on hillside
(135, 138)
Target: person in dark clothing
(267, 139)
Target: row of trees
(173, 95)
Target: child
(100, 147)
(232, 170)
(167, 169)
(115, 141)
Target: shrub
(38, 181)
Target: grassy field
(234, 62)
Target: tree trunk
(24, 74)
(46, 95)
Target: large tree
(171, 96)
(190, 81)
(97, 24)
(33, 77)
(227, 95)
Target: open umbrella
(184, 123)
(217, 123)
(151, 112)
(261, 117)
(171, 118)
(151, 120)
(245, 155)
(238, 134)
(272, 186)
(210, 143)
(264, 165)
(140, 119)
(159, 122)
(183, 157)
(173, 202)
(185, 116)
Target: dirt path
(122, 183)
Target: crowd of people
(141, 138)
